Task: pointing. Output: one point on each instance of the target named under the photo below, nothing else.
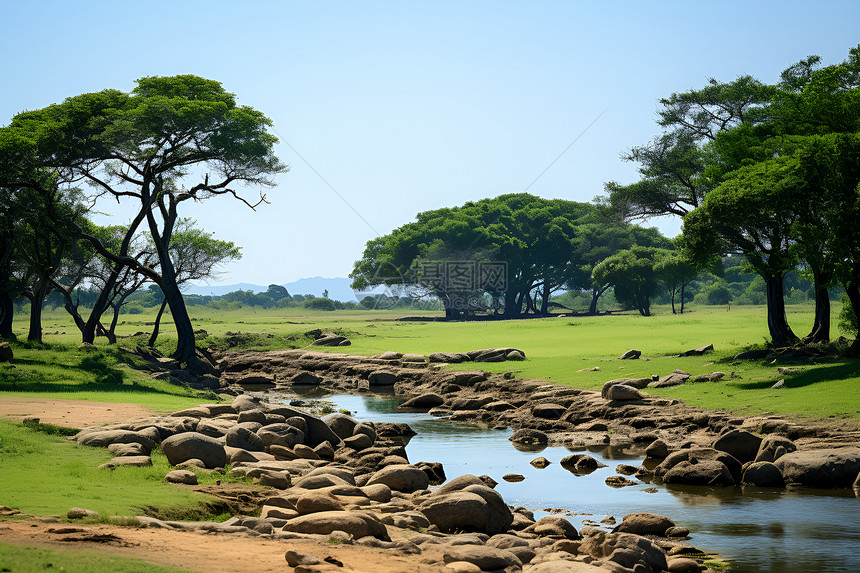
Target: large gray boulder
(705, 472)
(698, 455)
(286, 435)
(826, 468)
(623, 392)
(192, 445)
(499, 516)
(625, 550)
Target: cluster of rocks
(336, 478)
(620, 415)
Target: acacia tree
(145, 147)
(197, 255)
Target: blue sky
(401, 107)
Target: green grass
(557, 348)
(46, 474)
(19, 559)
(103, 374)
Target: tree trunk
(36, 303)
(672, 293)
(777, 323)
(821, 328)
(683, 288)
(154, 336)
(88, 332)
(7, 311)
(544, 304)
(511, 308)
(596, 293)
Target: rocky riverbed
(335, 479)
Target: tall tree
(632, 274)
(143, 147)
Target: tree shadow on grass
(815, 375)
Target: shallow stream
(759, 530)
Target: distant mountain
(338, 288)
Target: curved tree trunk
(683, 288)
(544, 303)
(154, 336)
(777, 323)
(7, 311)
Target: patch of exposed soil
(69, 413)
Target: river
(756, 529)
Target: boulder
(623, 392)
(316, 431)
(699, 455)
(825, 468)
(398, 477)
(644, 524)
(130, 449)
(554, 526)
(657, 449)
(682, 565)
(358, 442)
(449, 357)
(314, 502)
(634, 382)
(580, 464)
(531, 437)
(669, 380)
(182, 477)
(540, 463)
(626, 550)
(284, 434)
(242, 437)
(773, 447)
(698, 351)
(456, 511)
(499, 516)
(763, 474)
(104, 438)
(133, 461)
(357, 523)
(631, 355)
(341, 424)
(192, 445)
(705, 472)
(486, 558)
(424, 401)
(741, 445)
(305, 379)
(382, 379)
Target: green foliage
(848, 318)
(102, 367)
(321, 304)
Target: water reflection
(761, 530)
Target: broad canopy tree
(171, 140)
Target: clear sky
(387, 109)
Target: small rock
(540, 463)
(80, 513)
(295, 559)
(513, 478)
(778, 385)
(630, 355)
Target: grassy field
(68, 476)
(557, 349)
(38, 559)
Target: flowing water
(758, 530)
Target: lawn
(558, 349)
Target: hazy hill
(338, 288)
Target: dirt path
(210, 553)
(69, 413)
